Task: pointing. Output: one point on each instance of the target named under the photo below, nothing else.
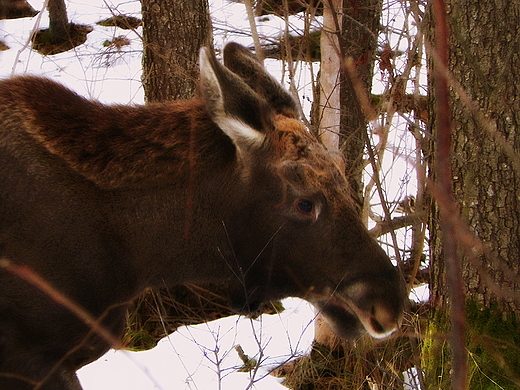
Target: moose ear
(241, 61)
(231, 103)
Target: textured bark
(173, 33)
(330, 71)
(360, 28)
(484, 60)
(58, 20)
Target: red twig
(447, 207)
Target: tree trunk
(360, 29)
(61, 35)
(173, 33)
(58, 21)
(484, 65)
(330, 73)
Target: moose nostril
(376, 326)
(382, 322)
(379, 316)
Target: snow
(204, 356)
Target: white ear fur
(243, 136)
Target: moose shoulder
(104, 201)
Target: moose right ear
(231, 103)
(241, 61)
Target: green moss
(494, 348)
(493, 342)
(436, 356)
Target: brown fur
(117, 146)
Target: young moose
(104, 201)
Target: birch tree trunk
(330, 85)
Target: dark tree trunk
(173, 33)
(58, 21)
(360, 29)
(61, 35)
(484, 61)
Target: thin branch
(446, 201)
(384, 227)
(254, 31)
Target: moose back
(104, 201)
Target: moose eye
(305, 210)
(305, 206)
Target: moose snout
(379, 310)
(380, 322)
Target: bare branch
(384, 227)
(447, 206)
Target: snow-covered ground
(204, 356)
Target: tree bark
(173, 33)
(360, 29)
(484, 66)
(58, 21)
(330, 73)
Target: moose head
(104, 201)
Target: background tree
(485, 114)
(61, 34)
(173, 33)
(360, 28)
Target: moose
(103, 201)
